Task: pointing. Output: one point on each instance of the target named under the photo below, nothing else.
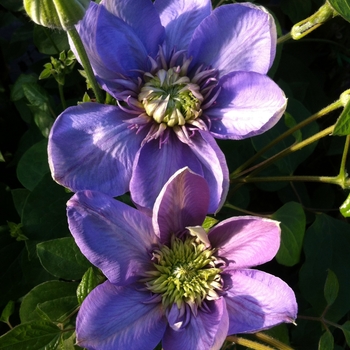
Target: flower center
(185, 272)
(170, 97)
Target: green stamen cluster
(185, 272)
(170, 98)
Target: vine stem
(321, 113)
(284, 38)
(63, 100)
(295, 147)
(248, 343)
(86, 63)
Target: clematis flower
(183, 75)
(170, 281)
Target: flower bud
(57, 14)
(323, 14)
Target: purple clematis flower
(183, 75)
(170, 281)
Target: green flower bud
(58, 14)
(323, 14)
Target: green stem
(321, 113)
(86, 63)
(247, 343)
(63, 100)
(334, 180)
(231, 206)
(295, 147)
(284, 38)
(272, 341)
(342, 171)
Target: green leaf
(346, 330)
(345, 207)
(46, 73)
(291, 122)
(19, 196)
(7, 312)
(38, 335)
(16, 232)
(58, 310)
(48, 41)
(89, 281)
(33, 165)
(36, 95)
(342, 7)
(62, 258)
(326, 246)
(17, 90)
(296, 10)
(44, 216)
(55, 292)
(292, 218)
(342, 126)
(326, 341)
(331, 288)
(208, 223)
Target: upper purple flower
(183, 74)
(170, 281)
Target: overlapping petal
(145, 21)
(114, 317)
(113, 236)
(214, 167)
(90, 147)
(180, 18)
(258, 300)
(183, 201)
(246, 241)
(206, 331)
(249, 104)
(247, 43)
(203, 156)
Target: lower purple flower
(170, 281)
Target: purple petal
(114, 317)
(247, 43)
(113, 236)
(112, 46)
(183, 201)
(180, 18)
(155, 164)
(145, 21)
(246, 241)
(258, 300)
(215, 169)
(248, 104)
(90, 147)
(207, 330)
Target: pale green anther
(170, 98)
(56, 14)
(185, 272)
